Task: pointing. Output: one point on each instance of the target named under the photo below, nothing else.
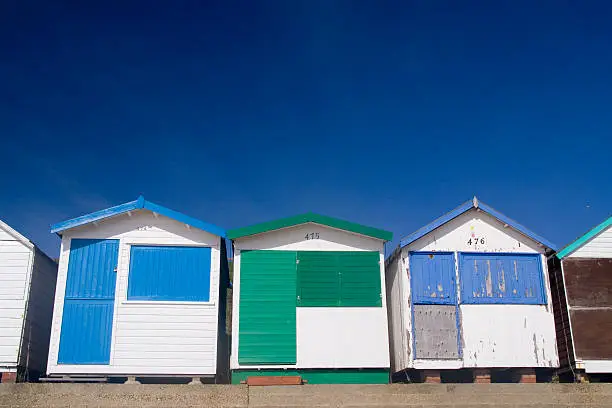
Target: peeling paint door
(434, 305)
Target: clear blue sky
(379, 112)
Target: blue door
(435, 323)
(88, 302)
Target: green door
(267, 316)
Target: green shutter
(267, 315)
(359, 279)
(339, 278)
(318, 279)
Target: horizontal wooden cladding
(592, 331)
(588, 281)
(564, 336)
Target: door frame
(456, 304)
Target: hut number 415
(474, 241)
(312, 235)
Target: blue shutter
(169, 273)
(433, 278)
(501, 278)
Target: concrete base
(331, 395)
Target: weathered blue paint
(89, 298)
(169, 273)
(488, 278)
(427, 271)
(468, 205)
(517, 226)
(436, 223)
(138, 204)
(432, 277)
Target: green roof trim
(583, 239)
(306, 218)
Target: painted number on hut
(312, 235)
(475, 241)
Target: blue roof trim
(213, 229)
(517, 226)
(436, 223)
(95, 216)
(138, 204)
(466, 207)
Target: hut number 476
(474, 241)
(312, 235)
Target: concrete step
(362, 396)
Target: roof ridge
(466, 206)
(138, 204)
(313, 217)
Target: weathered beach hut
(309, 301)
(470, 291)
(141, 293)
(27, 288)
(582, 292)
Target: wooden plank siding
(588, 281)
(588, 284)
(562, 324)
(592, 333)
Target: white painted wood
(5, 236)
(455, 234)
(27, 281)
(598, 366)
(148, 336)
(9, 234)
(235, 311)
(334, 337)
(491, 335)
(508, 336)
(600, 246)
(437, 364)
(293, 239)
(322, 333)
(15, 267)
(395, 311)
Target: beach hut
(309, 302)
(141, 293)
(27, 288)
(470, 291)
(582, 291)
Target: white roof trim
(16, 235)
